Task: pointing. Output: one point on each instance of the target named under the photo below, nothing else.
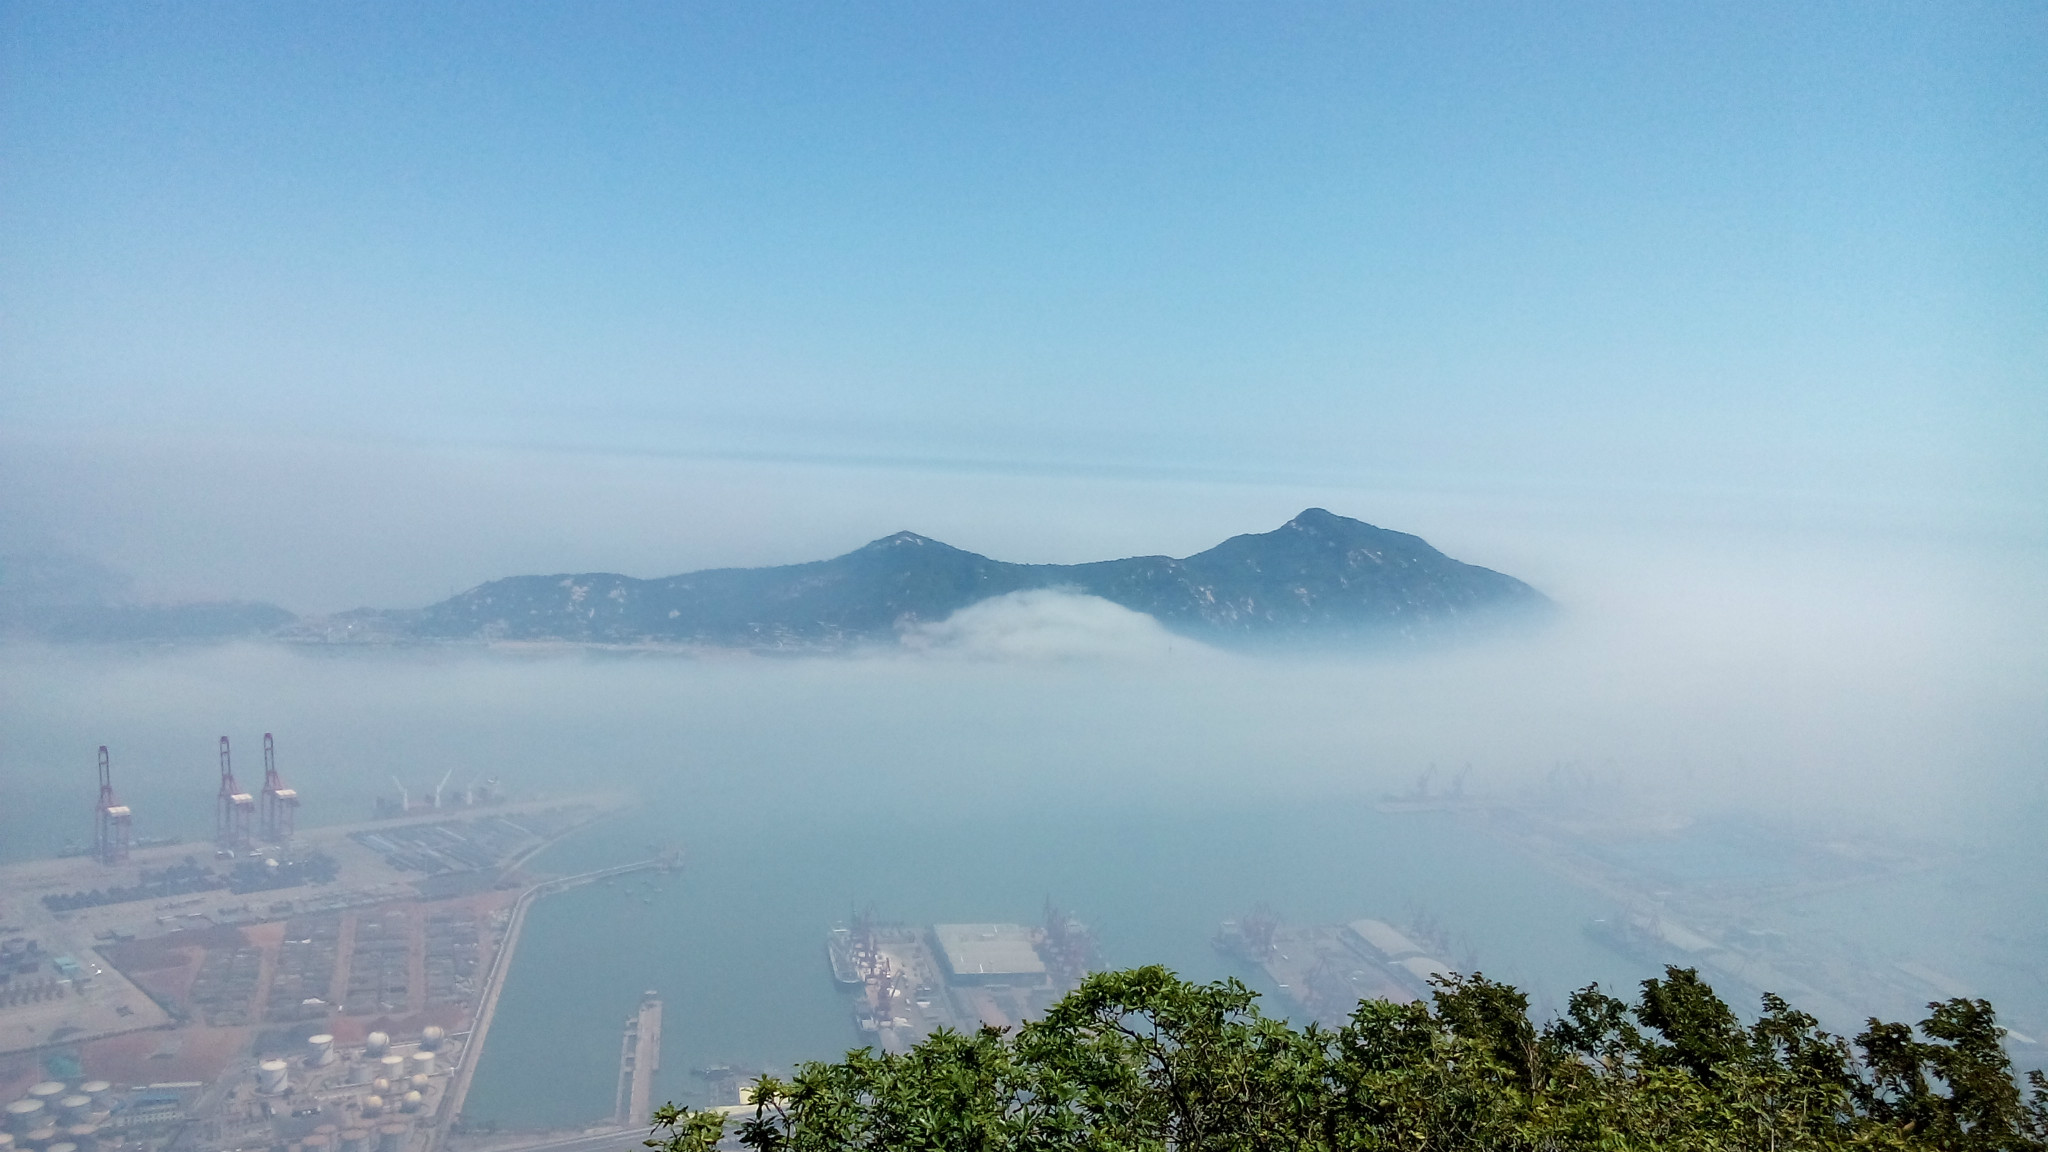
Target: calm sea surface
(735, 942)
(1151, 801)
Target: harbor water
(735, 942)
(1151, 800)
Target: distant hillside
(1319, 578)
(66, 598)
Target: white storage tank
(273, 1076)
(320, 1049)
(423, 1063)
(433, 1036)
(6, 1142)
(73, 1108)
(391, 1066)
(41, 1137)
(376, 1044)
(373, 1104)
(60, 1146)
(355, 1140)
(391, 1138)
(47, 1090)
(86, 1136)
(412, 1101)
(97, 1089)
(25, 1114)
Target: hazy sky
(1724, 324)
(361, 273)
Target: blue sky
(1778, 249)
(1724, 324)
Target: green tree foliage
(1141, 1061)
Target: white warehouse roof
(988, 949)
(1386, 938)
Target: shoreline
(494, 985)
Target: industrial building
(246, 996)
(909, 982)
(989, 953)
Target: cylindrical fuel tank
(25, 1115)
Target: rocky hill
(66, 599)
(1319, 578)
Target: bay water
(1152, 797)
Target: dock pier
(639, 1060)
(494, 983)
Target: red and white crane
(111, 827)
(232, 807)
(280, 804)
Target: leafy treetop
(1142, 1061)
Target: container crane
(111, 827)
(280, 804)
(232, 807)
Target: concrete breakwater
(639, 1060)
(494, 985)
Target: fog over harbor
(1847, 669)
(792, 480)
(1727, 693)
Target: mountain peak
(1315, 518)
(904, 539)
(1324, 528)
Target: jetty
(494, 985)
(639, 1060)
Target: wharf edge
(494, 983)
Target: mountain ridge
(1319, 578)
(53, 597)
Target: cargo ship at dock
(839, 948)
(909, 981)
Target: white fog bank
(1048, 624)
(1896, 682)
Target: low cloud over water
(1047, 624)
